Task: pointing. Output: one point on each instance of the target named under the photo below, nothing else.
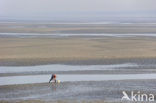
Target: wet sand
(17, 51)
(104, 91)
(107, 90)
(58, 101)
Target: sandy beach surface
(75, 50)
(122, 54)
(17, 48)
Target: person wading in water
(53, 77)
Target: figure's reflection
(55, 82)
(54, 86)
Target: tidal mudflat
(82, 91)
(95, 62)
(22, 84)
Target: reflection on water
(70, 78)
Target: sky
(62, 9)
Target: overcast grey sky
(70, 8)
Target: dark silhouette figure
(53, 77)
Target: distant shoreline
(78, 28)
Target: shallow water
(71, 78)
(68, 35)
(58, 67)
(11, 80)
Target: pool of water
(68, 35)
(59, 67)
(71, 78)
